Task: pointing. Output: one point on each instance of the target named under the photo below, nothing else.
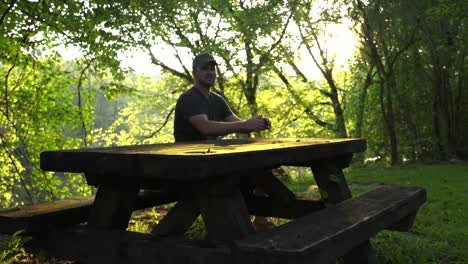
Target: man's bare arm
(215, 128)
(232, 118)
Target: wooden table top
(193, 160)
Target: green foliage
(12, 248)
(38, 111)
(146, 117)
(48, 102)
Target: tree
(309, 31)
(444, 34)
(384, 40)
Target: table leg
(272, 186)
(178, 219)
(331, 182)
(224, 211)
(113, 207)
(334, 189)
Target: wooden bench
(325, 235)
(44, 217)
(58, 214)
(91, 246)
(318, 237)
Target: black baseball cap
(202, 59)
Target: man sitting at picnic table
(201, 114)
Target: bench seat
(91, 246)
(47, 216)
(325, 235)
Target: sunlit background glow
(338, 40)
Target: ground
(439, 234)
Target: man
(201, 114)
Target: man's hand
(267, 122)
(257, 123)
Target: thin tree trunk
(339, 117)
(409, 124)
(249, 87)
(362, 103)
(359, 157)
(442, 122)
(390, 84)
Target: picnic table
(207, 177)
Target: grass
(439, 234)
(440, 231)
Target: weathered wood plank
(47, 208)
(334, 189)
(113, 207)
(178, 219)
(265, 206)
(163, 161)
(331, 181)
(217, 147)
(46, 216)
(100, 246)
(270, 185)
(226, 218)
(405, 224)
(223, 209)
(325, 235)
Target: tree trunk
(249, 87)
(410, 126)
(359, 157)
(340, 120)
(362, 102)
(390, 84)
(442, 114)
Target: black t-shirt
(193, 102)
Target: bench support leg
(405, 224)
(334, 189)
(360, 254)
(331, 182)
(272, 186)
(224, 210)
(178, 219)
(113, 207)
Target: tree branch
(155, 61)
(402, 50)
(298, 71)
(166, 120)
(13, 163)
(80, 84)
(264, 57)
(7, 10)
(297, 98)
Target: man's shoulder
(189, 94)
(217, 96)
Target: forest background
(403, 90)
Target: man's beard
(207, 84)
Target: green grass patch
(440, 231)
